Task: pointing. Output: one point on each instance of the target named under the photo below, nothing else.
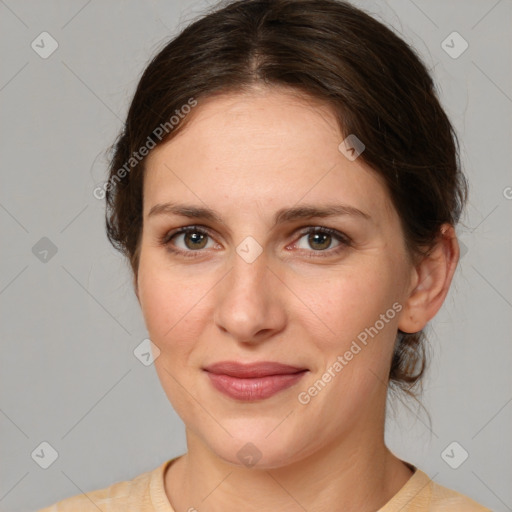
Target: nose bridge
(247, 302)
(246, 282)
(249, 268)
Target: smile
(255, 381)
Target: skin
(247, 156)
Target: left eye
(320, 239)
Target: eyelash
(342, 238)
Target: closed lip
(252, 370)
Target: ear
(430, 282)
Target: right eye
(187, 240)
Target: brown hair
(376, 85)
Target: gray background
(70, 322)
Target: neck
(357, 473)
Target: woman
(286, 189)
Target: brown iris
(198, 240)
(323, 239)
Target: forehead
(273, 123)
(269, 147)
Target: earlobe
(431, 282)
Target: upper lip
(252, 370)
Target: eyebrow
(305, 211)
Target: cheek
(157, 302)
(350, 301)
(162, 296)
(173, 303)
(360, 311)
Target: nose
(250, 302)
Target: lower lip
(253, 389)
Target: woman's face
(254, 283)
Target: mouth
(254, 381)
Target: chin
(251, 455)
(260, 445)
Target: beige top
(146, 493)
